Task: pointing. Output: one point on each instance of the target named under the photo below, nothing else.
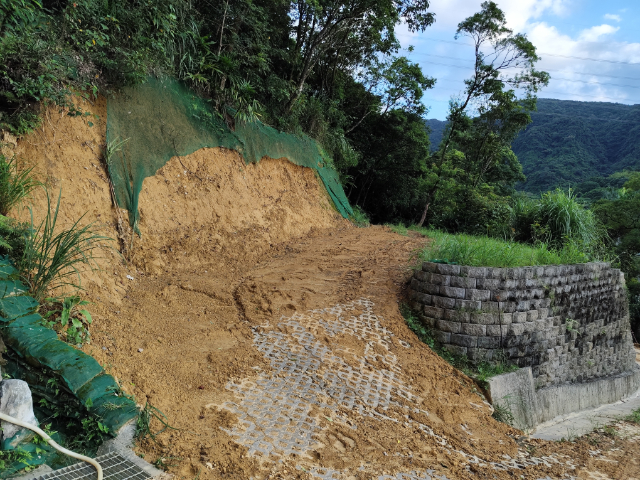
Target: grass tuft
(52, 260)
(360, 217)
(15, 185)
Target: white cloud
(594, 33)
(518, 12)
(611, 16)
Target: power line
(614, 100)
(546, 70)
(576, 116)
(552, 78)
(542, 53)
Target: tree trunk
(424, 214)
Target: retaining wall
(569, 323)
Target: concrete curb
(516, 392)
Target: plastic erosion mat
(163, 118)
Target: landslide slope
(267, 328)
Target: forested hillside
(569, 142)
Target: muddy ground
(246, 286)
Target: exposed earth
(267, 329)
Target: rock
(15, 401)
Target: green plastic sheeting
(163, 118)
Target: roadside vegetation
(49, 259)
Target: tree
(485, 92)
(395, 83)
(621, 216)
(363, 27)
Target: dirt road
(301, 366)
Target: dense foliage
(570, 142)
(620, 214)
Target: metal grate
(114, 467)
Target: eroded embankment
(246, 284)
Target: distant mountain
(437, 129)
(570, 142)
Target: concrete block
(488, 284)
(463, 282)
(516, 329)
(457, 350)
(451, 327)
(519, 317)
(443, 302)
(476, 272)
(457, 315)
(478, 295)
(464, 340)
(445, 269)
(433, 312)
(429, 267)
(442, 337)
(489, 342)
(484, 318)
(469, 305)
(423, 298)
(473, 329)
(438, 279)
(496, 330)
(515, 391)
(493, 307)
(421, 275)
(453, 292)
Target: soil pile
(268, 330)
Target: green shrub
(360, 217)
(559, 220)
(66, 318)
(52, 260)
(15, 185)
(490, 252)
(13, 235)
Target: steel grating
(274, 410)
(114, 467)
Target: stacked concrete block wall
(569, 323)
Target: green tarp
(163, 118)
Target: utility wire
(614, 100)
(546, 70)
(541, 53)
(552, 78)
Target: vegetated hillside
(569, 142)
(437, 130)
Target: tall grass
(54, 260)
(15, 185)
(566, 218)
(559, 220)
(490, 252)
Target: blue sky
(566, 34)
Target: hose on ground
(51, 442)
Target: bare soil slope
(267, 329)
